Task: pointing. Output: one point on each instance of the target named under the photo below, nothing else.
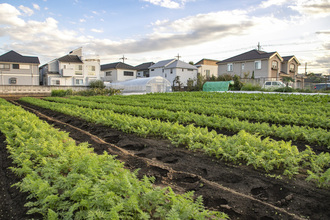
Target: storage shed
(216, 86)
(142, 85)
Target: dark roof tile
(250, 55)
(118, 65)
(70, 59)
(144, 66)
(13, 56)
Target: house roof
(144, 66)
(118, 65)
(70, 59)
(13, 56)
(289, 58)
(204, 59)
(250, 55)
(172, 63)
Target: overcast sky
(154, 30)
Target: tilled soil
(239, 191)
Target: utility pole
(306, 69)
(123, 58)
(178, 57)
(259, 46)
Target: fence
(35, 90)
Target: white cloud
(317, 8)
(82, 20)
(37, 7)
(173, 4)
(9, 15)
(26, 10)
(268, 3)
(97, 30)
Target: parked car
(322, 86)
(273, 85)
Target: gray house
(16, 69)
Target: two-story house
(289, 66)
(207, 68)
(173, 68)
(70, 70)
(143, 69)
(117, 72)
(252, 64)
(16, 69)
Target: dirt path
(240, 191)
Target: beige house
(253, 64)
(207, 68)
(289, 66)
(16, 69)
(117, 72)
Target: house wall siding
(23, 76)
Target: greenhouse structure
(142, 85)
(217, 86)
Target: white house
(143, 69)
(16, 69)
(117, 72)
(170, 69)
(70, 70)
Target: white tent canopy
(142, 85)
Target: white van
(273, 85)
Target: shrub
(251, 87)
(284, 89)
(61, 92)
(97, 84)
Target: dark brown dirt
(240, 191)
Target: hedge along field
(243, 147)
(69, 181)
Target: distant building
(117, 72)
(16, 69)
(171, 69)
(70, 70)
(207, 68)
(143, 69)
(252, 64)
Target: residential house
(70, 70)
(117, 72)
(173, 68)
(207, 68)
(16, 69)
(143, 69)
(252, 64)
(289, 67)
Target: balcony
(68, 72)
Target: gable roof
(250, 55)
(172, 63)
(180, 64)
(202, 61)
(162, 63)
(13, 56)
(70, 59)
(144, 66)
(289, 58)
(117, 65)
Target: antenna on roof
(123, 58)
(178, 57)
(259, 46)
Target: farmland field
(252, 156)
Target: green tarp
(216, 86)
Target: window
(208, 74)
(257, 64)
(79, 81)
(78, 67)
(12, 81)
(91, 68)
(24, 67)
(4, 66)
(128, 73)
(56, 82)
(171, 71)
(64, 66)
(268, 83)
(243, 66)
(108, 73)
(229, 67)
(15, 66)
(274, 65)
(152, 69)
(292, 67)
(190, 70)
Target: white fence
(35, 90)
